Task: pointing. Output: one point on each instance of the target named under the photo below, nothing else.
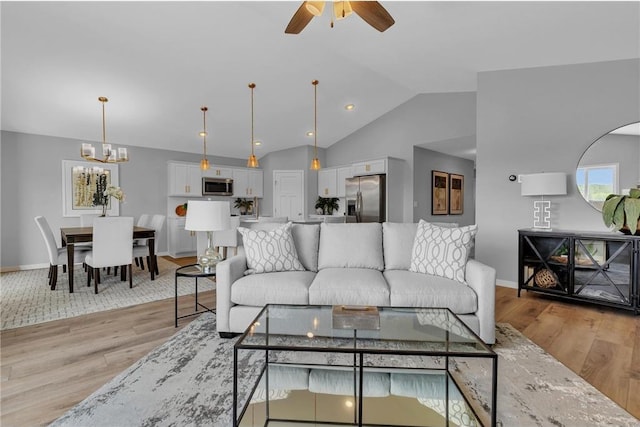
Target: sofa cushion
(409, 289)
(442, 251)
(351, 246)
(398, 243)
(307, 239)
(270, 251)
(285, 287)
(349, 286)
(398, 240)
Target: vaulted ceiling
(159, 62)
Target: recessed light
(310, 133)
(349, 107)
(257, 143)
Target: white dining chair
(86, 220)
(57, 255)
(143, 221)
(141, 251)
(227, 239)
(112, 246)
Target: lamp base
(542, 214)
(209, 259)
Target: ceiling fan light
(342, 9)
(315, 7)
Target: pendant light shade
(204, 163)
(109, 154)
(252, 162)
(315, 163)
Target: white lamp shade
(207, 215)
(544, 184)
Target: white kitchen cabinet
(248, 183)
(327, 182)
(185, 179)
(240, 183)
(371, 167)
(256, 182)
(215, 171)
(341, 175)
(181, 242)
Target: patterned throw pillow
(269, 251)
(442, 251)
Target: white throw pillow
(442, 251)
(273, 250)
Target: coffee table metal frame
(191, 271)
(358, 357)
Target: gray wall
(424, 161)
(542, 120)
(292, 159)
(31, 185)
(425, 118)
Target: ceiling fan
(371, 11)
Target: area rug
(26, 299)
(188, 382)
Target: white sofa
(353, 264)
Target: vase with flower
(110, 191)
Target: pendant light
(204, 163)
(252, 162)
(315, 163)
(109, 154)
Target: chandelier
(109, 154)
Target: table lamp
(543, 184)
(209, 216)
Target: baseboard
(507, 284)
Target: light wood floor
(46, 369)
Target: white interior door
(288, 193)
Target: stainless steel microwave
(217, 186)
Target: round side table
(191, 271)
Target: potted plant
(327, 204)
(623, 212)
(243, 205)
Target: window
(596, 182)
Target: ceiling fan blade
(299, 20)
(373, 14)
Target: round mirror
(611, 165)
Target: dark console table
(595, 267)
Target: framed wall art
(456, 194)
(439, 193)
(82, 185)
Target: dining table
(73, 235)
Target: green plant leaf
(609, 209)
(632, 211)
(634, 193)
(618, 216)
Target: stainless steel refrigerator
(366, 201)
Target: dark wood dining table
(73, 235)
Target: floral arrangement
(115, 192)
(101, 198)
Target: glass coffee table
(344, 365)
